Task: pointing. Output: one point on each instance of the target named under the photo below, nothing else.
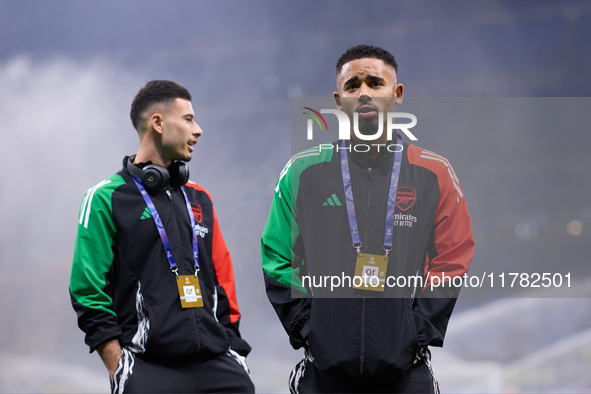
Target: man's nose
(364, 91)
(197, 130)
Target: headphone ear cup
(179, 173)
(155, 176)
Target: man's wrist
(110, 352)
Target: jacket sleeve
(282, 264)
(227, 311)
(93, 257)
(449, 254)
(225, 300)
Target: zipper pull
(169, 195)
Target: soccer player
(367, 209)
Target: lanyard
(162, 231)
(389, 234)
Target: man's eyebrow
(370, 77)
(376, 78)
(351, 80)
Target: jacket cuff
(300, 329)
(239, 345)
(97, 337)
(305, 331)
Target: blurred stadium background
(68, 72)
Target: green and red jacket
(121, 283)
(358, 332)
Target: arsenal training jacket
(307, 245)
(121, 284)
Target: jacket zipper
(178, 232)
(362, 355)
(178, 235)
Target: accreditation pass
(370, 272)
(189, 291)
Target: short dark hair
(366, 51)
(153, 92)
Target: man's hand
(110, 353)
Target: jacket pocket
(140, 338)
(123, 372)
(334, 344)
(390, 337)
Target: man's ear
(399, 93)
(337, 99)
(156, 122)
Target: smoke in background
(62, 134)
(67, 81)
(67, 128)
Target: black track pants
(306, 378)
(226, 373)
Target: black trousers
(226, 373)
(306, 378)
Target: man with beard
(152, 280)
(366, 210)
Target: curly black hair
(366, 51)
